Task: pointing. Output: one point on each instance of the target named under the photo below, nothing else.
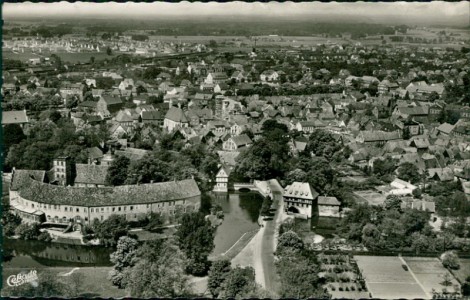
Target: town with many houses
(359, 147)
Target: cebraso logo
(21, 278)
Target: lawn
(95, 282)
(386, 279)
(429, 272)
(464, 270)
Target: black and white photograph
(240, 150)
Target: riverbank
(259, 252)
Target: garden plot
(386, 278)
(342, 276)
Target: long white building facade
(37, 201)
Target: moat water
(241, 211)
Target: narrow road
(268, 243)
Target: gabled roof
(241, 140)
(14, 117)
(110, 100)
(94, 152)
(20, 176)
(91, 174)
(300, 190)
(371, 136)
(446, 128)
(332, 201)
(152, 115)
(176, 114)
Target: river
(241, 212)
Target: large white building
(299, 199)
(38, 201)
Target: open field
(386, 279)
(95, 282)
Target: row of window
(124, 208)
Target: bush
(340, 289)
(28, 231)
(44, 236)
(450, 260)
(346, 289)
(337, 269)
(353, 288)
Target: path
(69, 273)
(269, 241)
(259, 253)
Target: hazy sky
(424, 13)
(430, 10)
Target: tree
(10, 222)
(28, 231)
(323, 143)
(109, 51)
(266, 206)
(159, 273)
(12, 135)
(155, 221)
(124, 257)
(419, 242)
(239, 283)
(217, 274)
(289, 241)
(409, 172)
(392, 202)
(450, 260)
(195, 237)
(110, 230)
(118, 171)
(55, 116)
(383, 167)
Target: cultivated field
(386, 279)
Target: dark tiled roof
(177, 115)
(328, 201)
(110, 100)
(152, 115)
(20, 176)
(93, 174)
(108, 196)
(241, 140)
(94, 152)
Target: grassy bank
(95, 280)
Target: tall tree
(159, 274)
(124, 257)
(118, 171)
(195, 237)
(217, 275)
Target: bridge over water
(244, 186)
